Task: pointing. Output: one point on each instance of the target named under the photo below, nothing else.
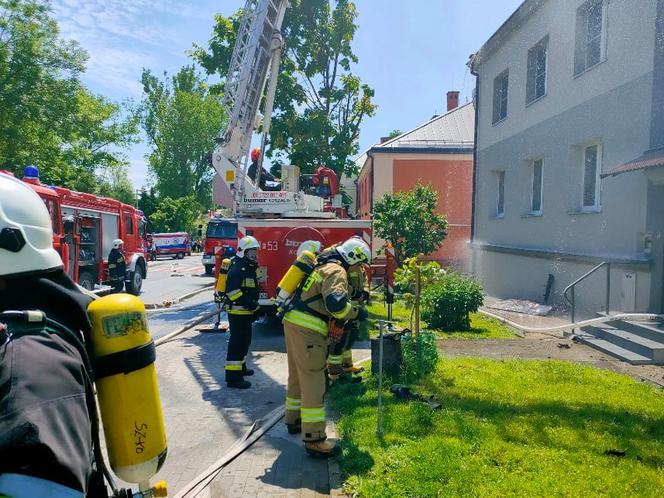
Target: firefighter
(47, 403)
(323, 297)
(117, 267)
(266, 176)
(241, 295)
(340, 359)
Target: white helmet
(117, 243)
(354, 251)
(246, 243)
(313, 246)
(26, 234)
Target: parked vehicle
(84, 227)
(176, 245)
(221, 236)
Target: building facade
(437, 153)
(568, 170)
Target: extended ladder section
(253, 72)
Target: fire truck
(280, 220)
(220, 238)
(84, 227)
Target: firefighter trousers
(341, 353)
(238, 346)
(306, 351)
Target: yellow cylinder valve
(123, 356)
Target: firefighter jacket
(117, 267)
(242, 287)
(324, 295)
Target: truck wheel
(134, 281)
(86, 280)
(209, 269)
(180, 255)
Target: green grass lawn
(482, 327)
(506, 428)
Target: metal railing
(571, 297)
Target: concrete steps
(638, 343)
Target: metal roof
(452, 130)
(650, 159)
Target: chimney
(384, 139)
(452, 100)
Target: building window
(500, 201)
(591, 170)
(536, 194)
(500, 96)
(590, 24)
(536, 77)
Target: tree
(319, 104)
(117, 185)
(147, 201)
(47, 117)
(408, 220)
(181, 119)
(176, 215)
(394, 134)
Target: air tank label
(124, 324)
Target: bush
(416, 366)
(446, 305)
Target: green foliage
(394, 134)
(147, 201)
(506, 428)
(319, 103)
(408, 220)
(181, 119)
(405, 276)
(420, 355)
(447, 305)
(47, 117)
(176, 215)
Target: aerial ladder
(252, 74)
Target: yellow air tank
(223, 274)
(299, 270)
(123, 357)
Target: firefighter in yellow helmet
(241, 295)
(322, 297)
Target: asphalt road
(169, 279)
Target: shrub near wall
(446, 305)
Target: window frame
(529, 66)
(501, 95)
(500, 193)
(128, 224)
(596, 206)
(581, 42)
(532, 211)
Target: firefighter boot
(295, 427)
(247, 372)
(239, 384)
(322, 449)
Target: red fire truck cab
(84, 228)
(221, 236)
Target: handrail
(571, 286)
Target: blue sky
(410, 51)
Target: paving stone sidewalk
(204, 419)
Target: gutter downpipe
(371, 173)
(474, 72)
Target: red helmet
(255, 154)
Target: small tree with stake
(409, 221)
